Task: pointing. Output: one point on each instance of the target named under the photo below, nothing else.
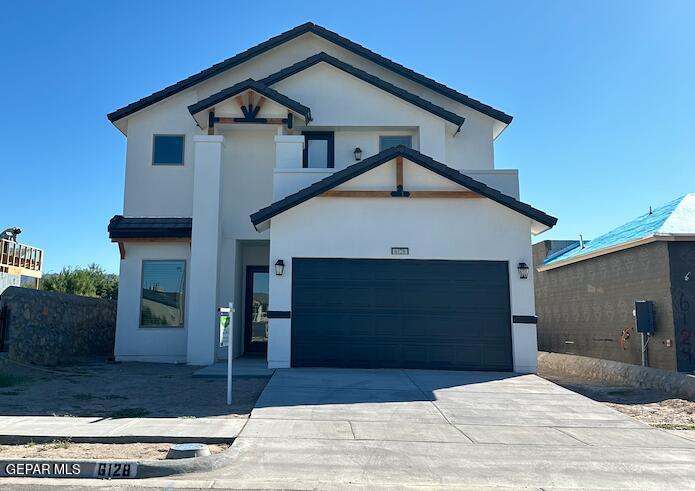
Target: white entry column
(205, 249)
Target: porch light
(523, 270)
(358, 153)
(279, 267)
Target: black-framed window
(388, 141)
(167, 149)
(162, 293)
(319, 150)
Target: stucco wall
(49, 328)
(584, 307)
(167, 190)
(433, 229)
(158, 344)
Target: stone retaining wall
(613, 372)
(50, 328)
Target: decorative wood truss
(399, 192)
(250, 109)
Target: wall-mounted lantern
(523, 270)
(279, 267)
(358, 153)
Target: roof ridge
(671, 224)
(293, 33)
(367, 77)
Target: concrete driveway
(395, 428)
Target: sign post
(230, 351)
(227, 339)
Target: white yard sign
(227, 339)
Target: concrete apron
(382, 428)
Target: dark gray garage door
(401, 313)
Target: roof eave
(599, 252)
(288, 36)
(416, 157)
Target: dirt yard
(122, 390)
(649, 406)
(69, 450)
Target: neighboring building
(20, 264)
(348, 206)
(585, 296)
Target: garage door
(375, 313)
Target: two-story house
(348, 206)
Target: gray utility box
(645, 317)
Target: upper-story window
(167, 150)
(318, 150)
(395, 140)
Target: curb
(124, 469)
(678, 384)
(24, 439)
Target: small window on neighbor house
(167, 150)
(393, 141)
(318, 150)
(161, 304)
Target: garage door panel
(401, 313)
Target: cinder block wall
(582, 308)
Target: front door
(256, 310)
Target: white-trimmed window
(162, 293)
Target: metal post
(230, 351)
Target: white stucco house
(348, 206)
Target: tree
(91, 281)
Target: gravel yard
(122, 390)
(69, 450)
(649, 406)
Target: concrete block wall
(582, 308)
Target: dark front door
(256, 310)
(401, 313)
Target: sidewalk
(22, 429)
(242, 367)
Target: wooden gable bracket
(250, 112)
(399, 193)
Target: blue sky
(601, 93)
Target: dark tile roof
(121, 227)
(365, 77)
(413, 156)
(258, 87)
(329, 36)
